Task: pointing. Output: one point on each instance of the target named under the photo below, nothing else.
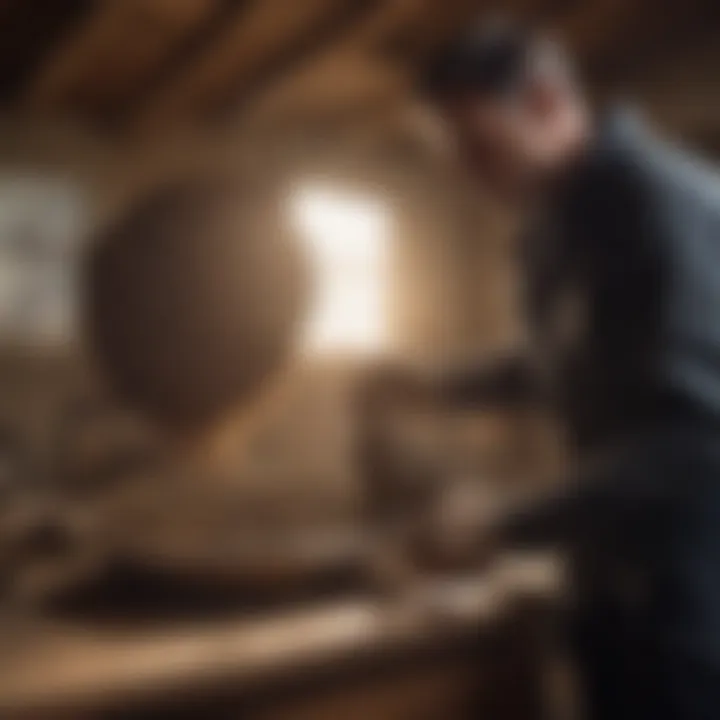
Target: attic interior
(250, 589)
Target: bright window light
(348, 237)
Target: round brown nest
(194, 298)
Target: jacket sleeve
(503, 381)
(622, 491)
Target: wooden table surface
(71, 667)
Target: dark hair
(486, 59)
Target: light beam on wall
(348, 237)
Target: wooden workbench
(418, 649)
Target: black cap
(488, 59)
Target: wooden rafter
(112, 53)
(146, 64)
(237, 52)
(314, 78)
(28, 32)
(341, 27)
(613, 37)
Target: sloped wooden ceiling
(132, 66)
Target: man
(622, 288)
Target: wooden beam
(413, 25)
(690, 25)
(239, 52)
(325, 79)
(344, 85)
(94, 68)
(612, 37)
(431, 25)
(354, 16)
(591, 29)
(28, 33)
(682, 92)
(194, 49)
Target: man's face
(512, 144)
(487, 138)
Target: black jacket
(622, 279)
(631, 244)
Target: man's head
(193, 300)
(511, 105)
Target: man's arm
(628, 488)
(505, 381)
(552, 518)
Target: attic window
(41, 219)
(347, 236)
